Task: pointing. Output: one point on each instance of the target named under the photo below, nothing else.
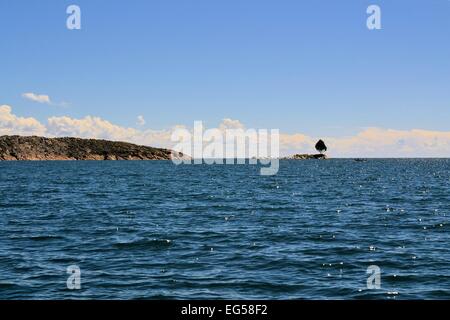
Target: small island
(41, 148)
(320, 147)
(307, 157)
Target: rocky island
(320, 146)
(40, 148)
(307, 157)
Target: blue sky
(300, 66)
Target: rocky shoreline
(41, 148)
(307, 157)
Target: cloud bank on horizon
(370, 142)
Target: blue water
(155, 230)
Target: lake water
(153, 230)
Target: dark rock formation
(40, 148)
(307, 157)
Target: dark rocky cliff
(40, 148)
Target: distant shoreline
(33, 148)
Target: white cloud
(41, 98)
(230, 124)
(370, 142)
(380, 142)
(296, 143)
(98, 128)
(11, 124)
(140, 120)
(88, 127)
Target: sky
(311, 69)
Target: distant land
(35, 148)
(41, 148)
(318, 156)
